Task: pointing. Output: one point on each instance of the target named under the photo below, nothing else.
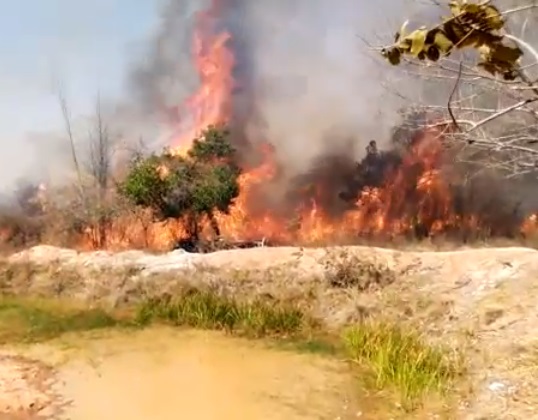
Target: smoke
(165, 76)
(312, 84)
(309, 81)
(303, 68)
(314, 81)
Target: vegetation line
(390, 356)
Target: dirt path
(169, 374)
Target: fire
(530, 225)
(214, 62)
(413, 196)
(211, 105)
(378, 210)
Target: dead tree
(93, 207)
(100, 167)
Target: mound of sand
(472, 272)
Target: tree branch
(501, 113)
(449, 105)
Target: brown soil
(481, 302)
(169, 374)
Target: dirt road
(169, 374)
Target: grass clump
(400, 359)
(209, 310)
(31, 320)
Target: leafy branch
(471, 25)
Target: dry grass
(387, 357)
(38, 319)
(134, 228)
(480, 302)
(345, 270)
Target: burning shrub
(19, 231)
(21, 218)
(189, 186)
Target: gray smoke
(308, 81)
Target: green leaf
(472, 25)
(488, 66)
(433, 53)
(393, 55)
(454, 31)
(402, 33)
(203, 181)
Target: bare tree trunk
(214, 224)
(193, 228)
(69, 129)
(100, 169)
(74, 156)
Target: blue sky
(86, 44)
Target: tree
(99, 165)
(189, 187)
(485, 56)
(92, 158)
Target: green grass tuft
(31, 320)
(208, 310)
(402, 360)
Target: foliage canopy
(475, 25)
(188, 186)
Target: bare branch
(100, 167)
(449, 105)
(519, 9)
(501, 113)
(69, 130)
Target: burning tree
(192, 186)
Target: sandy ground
(481, 302)
(168, 374)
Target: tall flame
(214, 62)
(384, 210)
(414, 195)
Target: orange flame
(378, 210)
(381, 210)
(214, 62)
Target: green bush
(189, 187)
